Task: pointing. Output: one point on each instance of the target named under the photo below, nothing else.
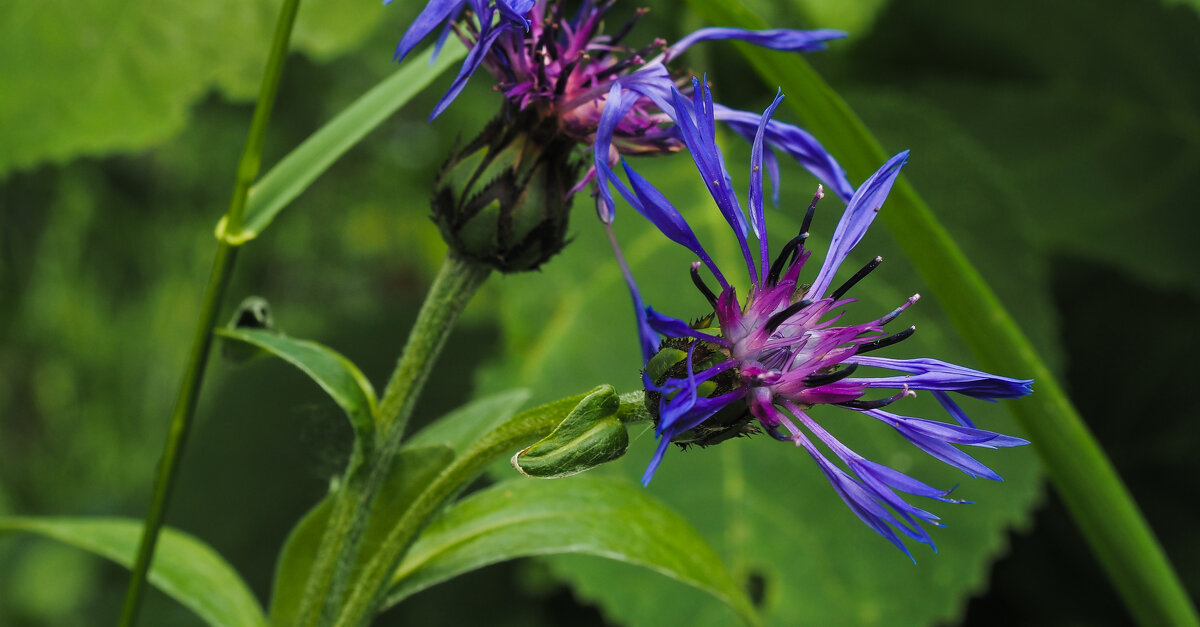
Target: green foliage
(427, 476)
(338, 376)
(1116, 127)
(600, 517)
(1036, 136)
(411, 474)
(185, 568)
(854, 16)
(295, 563)
(120, 76)
(1187, 3)
(295, 172)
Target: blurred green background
(1060, 144)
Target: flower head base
(765, 360)
(504, 200)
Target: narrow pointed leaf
(184, 568)
(338, 376)
(602, 517)
(295, 172)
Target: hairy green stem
(222, 269)
(456, 282)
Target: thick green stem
(189, 391)
(456, 282)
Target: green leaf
(462, 427)
(110, 75)
(185, 568)
(764, 504)
(854, 16)
(592, 434)
(1110, 180)
(1194, 4)
(605, 518)
(295, 563)
(295, 172)
(414, 468)
(338, 376)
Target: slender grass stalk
(222, 269)
(1102, 507)
(457, 280)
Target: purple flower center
(784, 351)
(564, 66)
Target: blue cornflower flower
(778, 353)
(560, 64)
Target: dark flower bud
(503, 200)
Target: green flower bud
(590, 435)
(504, 199)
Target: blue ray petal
(860, 212)
(776, 39)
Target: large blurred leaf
(412, 471)
(1100, 142)
(855, 16)
(764, 504)
(606, 518)
(101, 75)
(184, 567)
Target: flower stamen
(858, 276)
(774, 321)
(786, 256)
(700, 285)
(884, 342)
(817, 380)
(895, 313)
(812, 208)
(877, 403)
